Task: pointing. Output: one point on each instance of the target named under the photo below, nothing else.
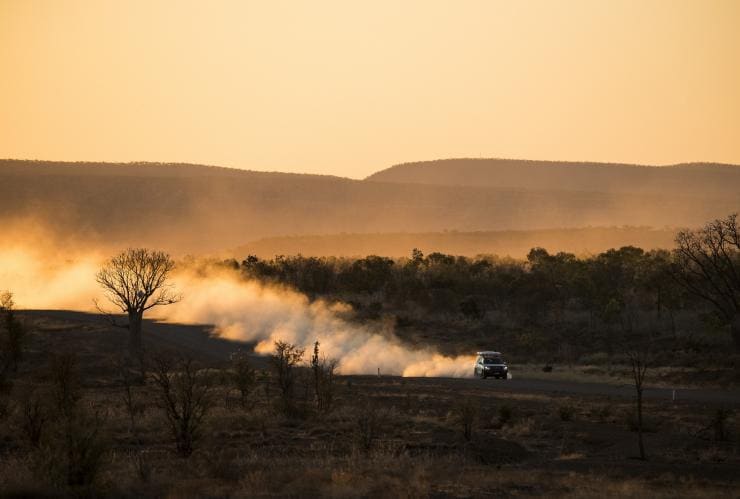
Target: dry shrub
(719, 424)
(284, 363)
(35, 414)
(12, 336)
(466, 413)
(505, 414)
(367, 425)
(323, 371)
(566, 412)
(64, 377)
(185, 397)
(74, 455)
(243, 375)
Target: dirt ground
(383, 436)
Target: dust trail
(238, 309)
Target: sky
(348, 88)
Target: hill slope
(697, 179)
(512, 243)
(189, 208)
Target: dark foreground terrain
(378, 436)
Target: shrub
(566, 412)
(75, 453)
(243, 375)
(13, 335)
(719, 423)
(466, 414)
(323, 379)
(505, 414)
(185, 396)
(35, 416)
(284, 361)
(65, 380)
(367, 422)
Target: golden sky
(347, 87)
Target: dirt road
(199, 341)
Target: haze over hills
(193, 208)
(515, 243)
(690, 179)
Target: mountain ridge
(194, 208)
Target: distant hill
(591, 240)
(192, 208)
(696, 179)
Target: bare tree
(323, 370)
(284, 361)
(639, 362)
(185, 395)
(466, 413)
(135, 281)
(707, 264)
(243, 375)
(12, 333)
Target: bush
(505, 414)
(75, 453)
(65, 380)
(566, 412)
(719, 424)
(12, 337)
(466, 414)
(185, 396)
(284, 361)
(243, 375)
(35, 416)
(367, 423)
(323, 379)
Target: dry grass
(418, 447)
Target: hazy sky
(347, 87)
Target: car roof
(486, 352)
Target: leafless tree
(185, 396)
(135, 281)
(323, 371)
(12, 333)
(243, 375)
(35, 416)
(639, 362)
(707, 264)
(466, 413)
(284, 361)
(64, 374)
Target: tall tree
(135, 281)
(707, 264)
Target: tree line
(621, 292)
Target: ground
(384, 437)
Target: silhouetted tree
(639, 362)
(135, 281)
(323, 378)
(707, 264)
(243, 375)
(12, 333)
(284, 361)
(185, 396)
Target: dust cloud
(238, 309)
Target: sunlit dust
(238, 309)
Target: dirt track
(199, 341)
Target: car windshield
(493, 360)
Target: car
(490, 364)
